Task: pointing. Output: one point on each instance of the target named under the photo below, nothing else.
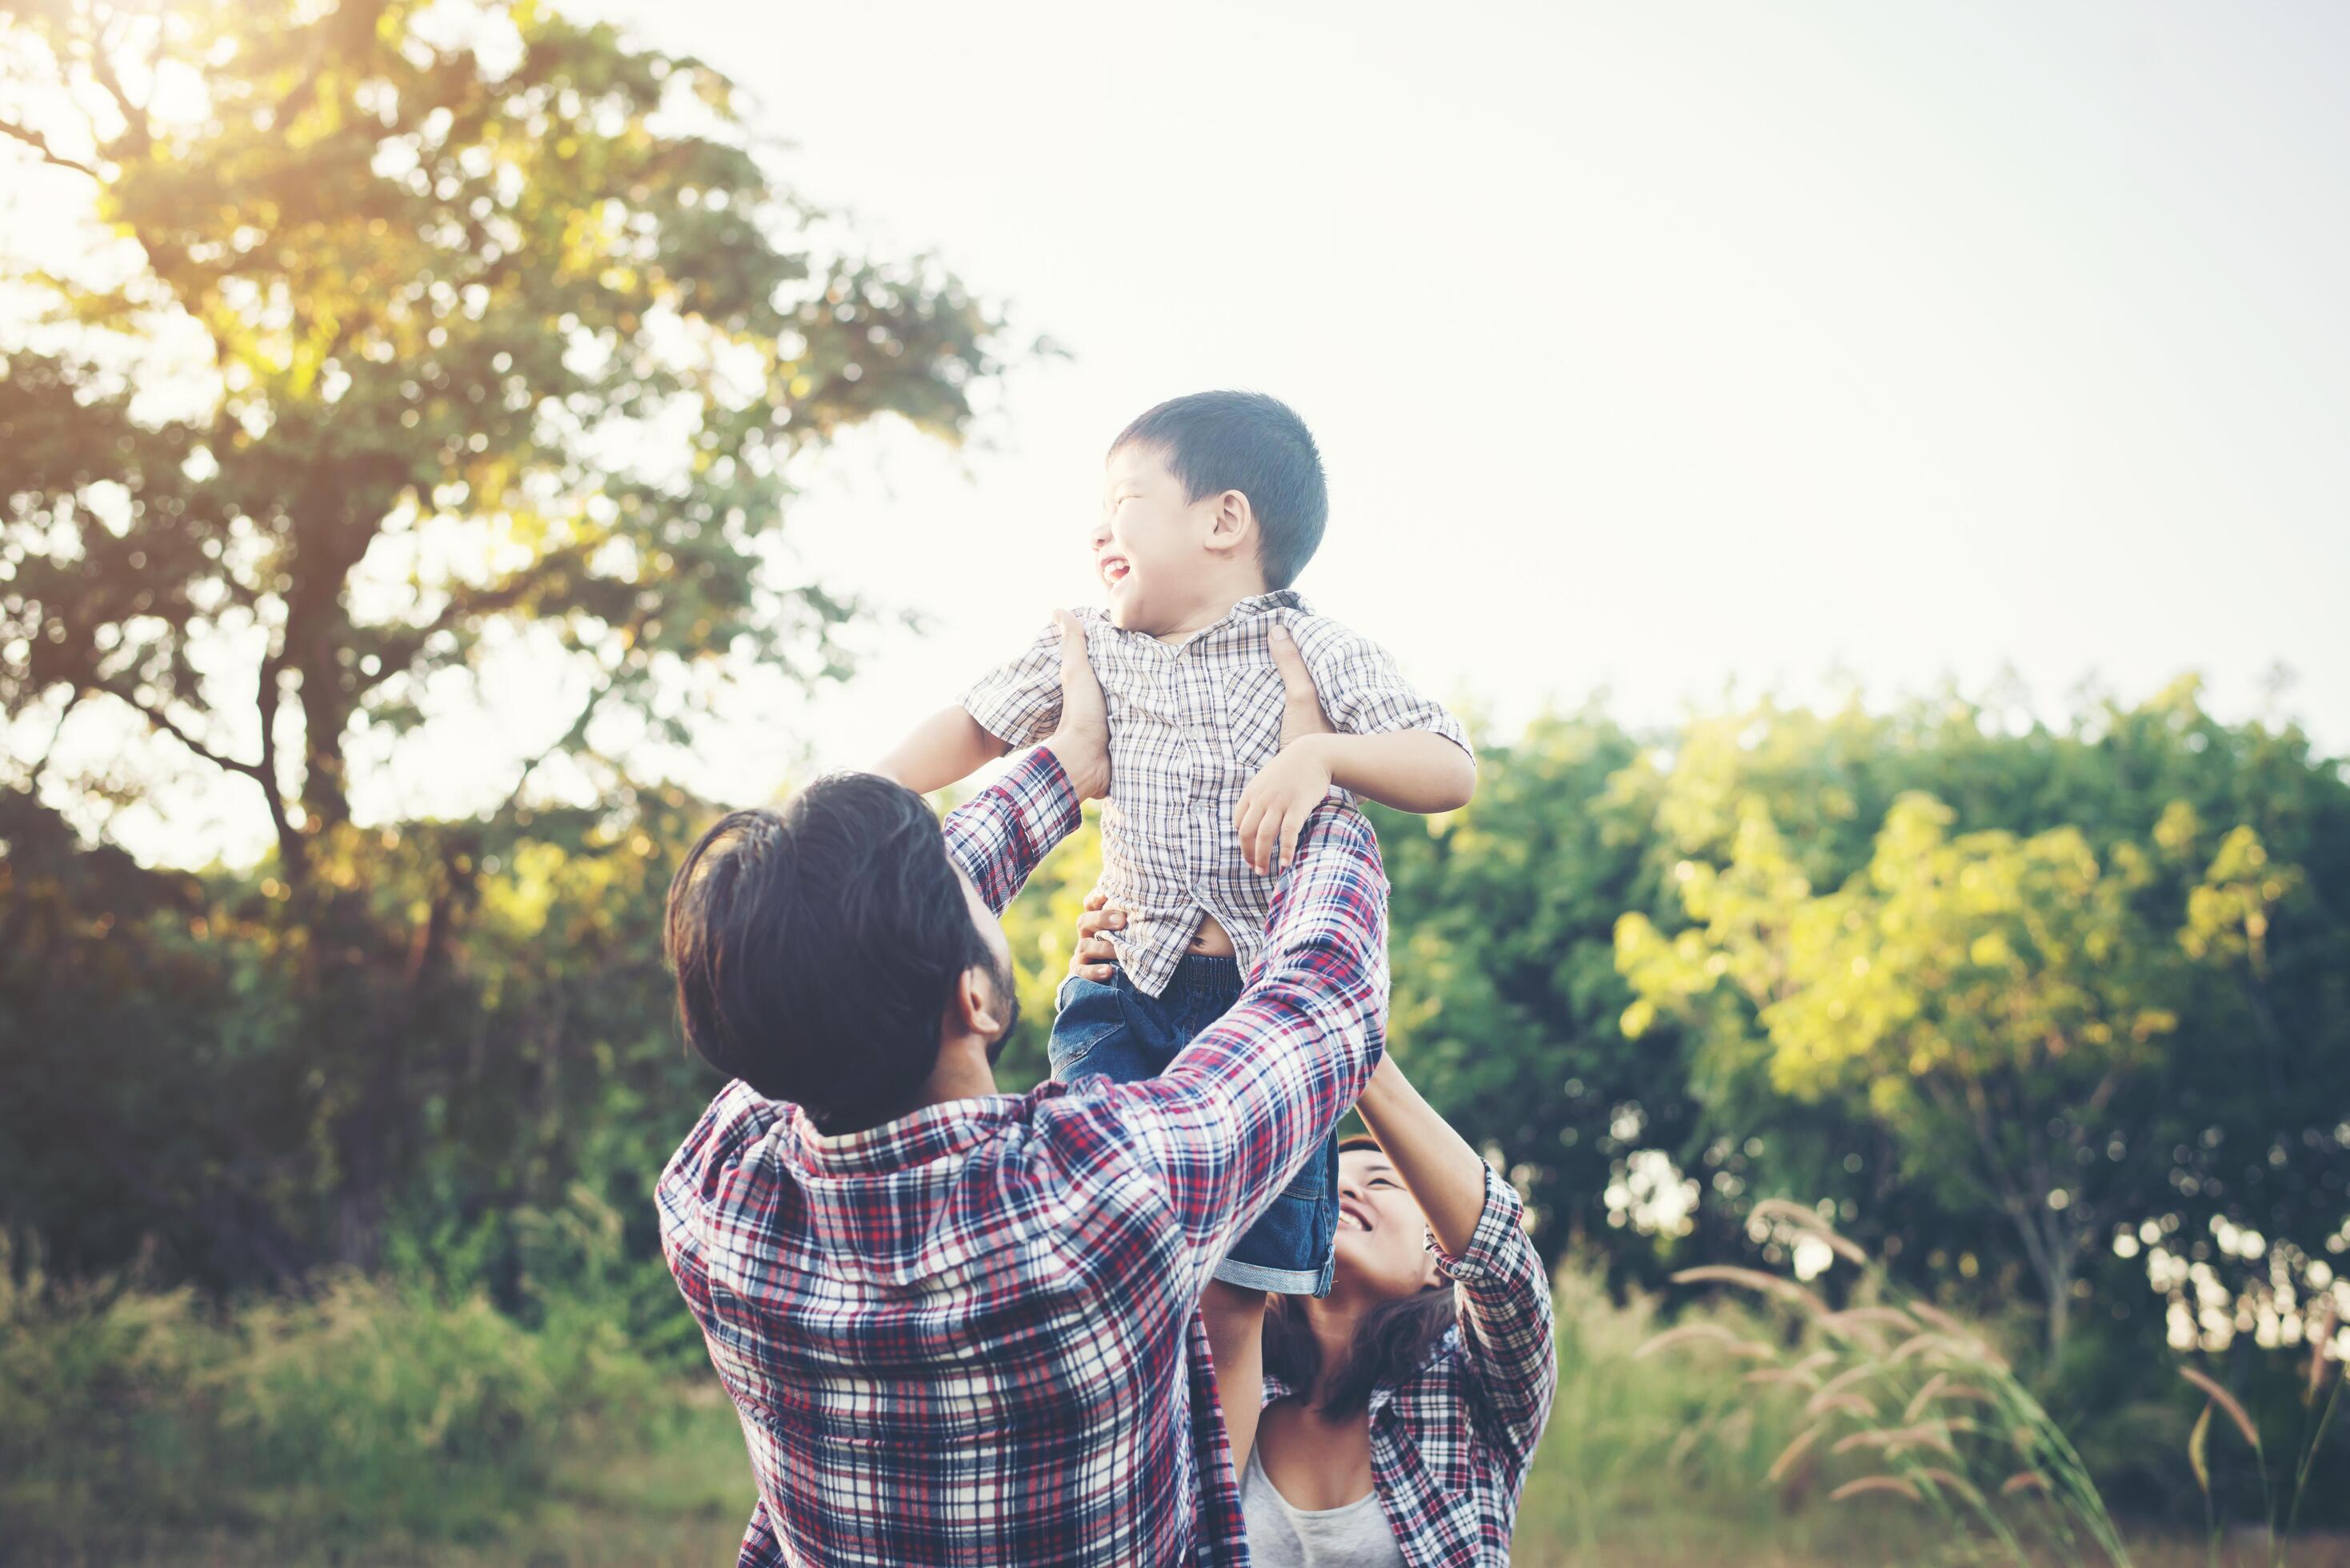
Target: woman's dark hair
(1391, 1343)
(1215, 441)
(817, 947)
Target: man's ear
(976, 1007)
(1232, 524)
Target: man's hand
(1080, 741)
(1095, 959)
(1301, 704)
(1274, 806)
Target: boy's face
(1151, 547)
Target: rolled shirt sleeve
(1363, 690)
(1507, 1323)
(1019, 701)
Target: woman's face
(1382, 1243)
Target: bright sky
(1650, 348)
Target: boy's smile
(1156, 552)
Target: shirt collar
(1279, 599)
(1242, 610)
(920, 1138)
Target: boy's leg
(1289, 1252)
(1126, 1033)
(1235, 1318)
(1093, 1031)
(1232, 1310)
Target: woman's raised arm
(1446, 1177)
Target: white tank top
(1280, 1536)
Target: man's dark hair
(1216, 442)
(817, 947)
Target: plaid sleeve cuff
(999, 835)
(1041, 796)
(1501, 1228)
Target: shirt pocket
(1252, 700)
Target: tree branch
(41, 765)
(134, 117)
(165, 723)
(403, 645)
(291, 851)
(569, 739)
(40, 144)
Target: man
(959, 1326)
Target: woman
(1400, 1409)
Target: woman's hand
(1095, 959)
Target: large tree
(2045, 991)
(422, 332)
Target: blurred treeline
(346, 429)
(168, 1116)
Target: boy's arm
(945, 747)
(1015, 704)
(1401, 750)
(1411, 770)
(1244, 1103)
(1000, 834)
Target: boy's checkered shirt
(1190, 725)
(971, 1336)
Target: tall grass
(2321, 1395)
(372, 1410)
(409, 1419)
(1894, 1400)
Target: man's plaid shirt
(1190, 725)
(1450, 1443)
(971, 1336)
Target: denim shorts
(1124, 1035)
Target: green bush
(366, 1408)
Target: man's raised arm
(999, 836)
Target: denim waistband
(1205, 972)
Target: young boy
(1211, 505)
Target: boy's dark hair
(817, 947)
(1216, 442)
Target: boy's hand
(1080, 741)
(1274, 806)
(1095, 959)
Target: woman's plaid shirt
(1190, 725)
(970, 1336)
(1450, 1443)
